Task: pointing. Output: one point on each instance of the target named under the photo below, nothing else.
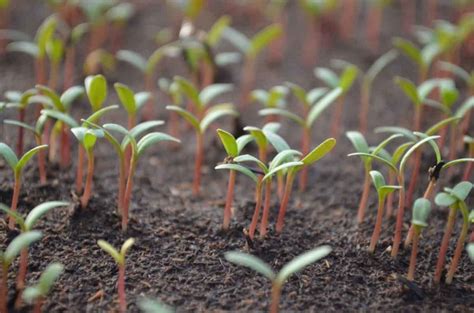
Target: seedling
(17, 166)
(95, 13)
(233, 147)
(274, 98)
(131, 102)
(251, 48)
(26, 225)
(147, 305)
(278, 279)
(138, 148)
(55, 52)
(119, 258)
(374, 21)
(75, 34)
(344, 82)
(99, 61)
(7, 257)
(382, 191)
(39, 292)
(204, 116)
(454, 199)
(421, 211)
(314, 102)
(368, 79)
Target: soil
(178, 255)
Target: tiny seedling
(17, 166)
(274, 98)
(39, 292)
(278, 279)
(131, 102)
(119, 258)
(233, 147)
(7, 257)
(454, 199)
(204, 116)
(421, 211)
(314, 102)
(382, 191)
(344, 82)
(251, 48)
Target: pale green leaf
(322, 105)
(7, 153)
(107, 247)
(421, 211)
(319, 152)
(188, 116)
(27, 156)
(20, 242)
(127, 98)
(229, 142)
(132, 58)
(263, 38)
(238, 168)
(41, 210)
(251, 262)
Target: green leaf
(60, 116)
(188, 89)
(229, 142)
(456, 70)
(315, 94)
(27, 156)
(399, 151)
(301, 261)
(370, 156)
(127, 98)
(188, 116)
(421, 211)
(284, 166)
(89, 140)
(276, 140)
(409, 89)
(282, 112)
(141, 98)
(238, 168)
(41, 210)
(48, 277)
(242, 141)
(470, 251)
(215, 113)
(107, 247)
(155, 58)
(412, 149)
(143, 127)
(322, 105)
(284, 156)
(55, 50)
(94, 117)
(126, 246)
(78, 32)
(18, 218)
(45, 33)
(299, 93)
(348, 77)
(263, 38)
(380, 64)
(19, 243)
(457, 161)
(319, 152)
(257, 134)
(440, 125)
(154, 306)
(70, 95)
(250, 158)
(96, 89)
(377, 179)
(238, 39)
(327, 76)
(120, 12)
(396, 130)
(444, 199)
(26, 47)
(152, 138)
(132, 58)
(408, 49)
(210, 92)
(462, 190)
(215, 32)
(7, 153)
(385, 142)
(250, 261)
(433, 145)
(52, 95)
(465, 107)
(358, 141)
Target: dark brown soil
(178, 255)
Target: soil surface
(178, 255)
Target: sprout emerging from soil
(314, 102)
(454, 199)
(251, 48)
(119, 258)
(278, 279)
(17, 166)
(382, 191)
(344, 82)
(421, 211)
(27, 224)
(7, 257)
(233, 147)
(39, 292)
(202, 118)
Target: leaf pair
(45, 283)
(118, 256)
(16, 164)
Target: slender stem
(21, 132)
(198, 163)
(365, 197)
(121, 185)
(149, 109)
(132, 121)
(128, 193)
(248, 81)
(41, 161)
(53, 75)
(305, 143)
(65, 146)
(284, 202)
(378, 225)
(15, 199)
(445, 244)
(391, 181)
(38, 305)
(414, 252)
(408, 11)
(431, 12)
(21, 277)
(121, 289)
(256, 213)
(312, 41)
(452, 147)
(69, 67)
(266, 208)
(337, 117)
(90, 174)
(53, 145)
(276, 295)
(459, 248)
(280, 185)
(348, 18)
(364, 106)
(399, 223)
(80, 169)
(229, 200)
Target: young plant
(344, 82)
(421, 211)
(314, 102)
(274, 98)
(55, 53)
(204, 116)
(131, 102)
(382, 191)
(251, 48)
(233, 147)
(119, 258)
(87, 138)
(454, 199)
(7, 257)
(368, 79)
(278, 279)
(17, 166)
(39, 292)
(138, 148)
(74, 36)
(26, 225)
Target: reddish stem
(38, 305)
(121, 289)
(391, 181)
(280, 185)
(21, 277)
(69, 67)
(378, 225)
(122, 184)
(88, 186)
(348, 19)
(364, 199)
(198, 163)
(414, 252)
(277, 46)
(276, 295)
(256, 213)
(337, 117)
(53, 75)
(41, 161)
(414, 178)
(229, 200)
(128, 194)
(15, 198)
(149, 109)
(266, 208)
(431, 12)
(452, 148)
(457, 253)
(65, 146)
(397, 238)
(312, 41)
(53, 145)
(80, 169)
(248, 81)
(21, 132)
(284, 202)
(305, 143)
(445, 244)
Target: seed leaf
(229, 142)
(369, 156)
(412, 149)
(154, 306)
(94, 117)
(327, 76)
(284, 156)
(96, 89)
(60, 116)
(187, 88)
(132, 58)
(409, 89)
(215, 113)
(444, 199)
(250, 158)
(107, 247)
(126, 246)
(18, 218)
(348, 77)
(127, 98)
(188, 116)
(323, 104)
(276, 141)
(41, 210)
(8, 155)
(319, 152)
(288, 165)
(238, 168)
(377, 179)
(409, 49)
(251, 262)
(26, 47)
(70, 95)
(27, 156)
(19, 243)
(421, 211)
(210, 92)
(263, 38)
(380, 64)
(152, 138)
(462, 190)
(282, 112)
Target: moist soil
(179, 252)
